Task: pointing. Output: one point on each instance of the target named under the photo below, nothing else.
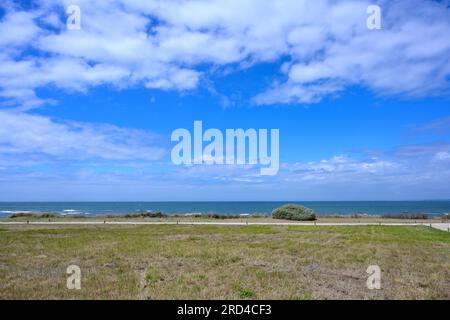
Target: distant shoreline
(159, 217)
(344, 208)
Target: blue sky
(87, 114)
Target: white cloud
(167, 44)
(408, 56)
(24, 134)
(17, 29)
(340, 169)
(442, 156)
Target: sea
(432, 208)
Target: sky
(87, 114)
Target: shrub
(216, 216)
(22, 215)
(32, 215)
(48, 215)
(294, 212)
(406, 216)
(156, 214)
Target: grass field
(223, 262)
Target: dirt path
(440, 226)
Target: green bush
(157, 214)
(32, 215)
(412, 216)
(294, 212)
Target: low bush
(32, 215)
(406, 216)
(156, 214)
(218, 216)
(294, 212)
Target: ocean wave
(18, 211)
(73, 212)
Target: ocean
(432, 208)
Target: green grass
(245, 293)
(223, 262)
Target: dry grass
(223, 262)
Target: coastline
(321, 208)
(160, 218)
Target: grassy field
(223, 262)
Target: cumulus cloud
(324, 45)
(18, 30)
(169, 44)
(43, 138)
(408, 56)
(341, 165)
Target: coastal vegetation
(32, 215)
(406, 216)
(216, 217)
(157, 214)
(294, 212)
